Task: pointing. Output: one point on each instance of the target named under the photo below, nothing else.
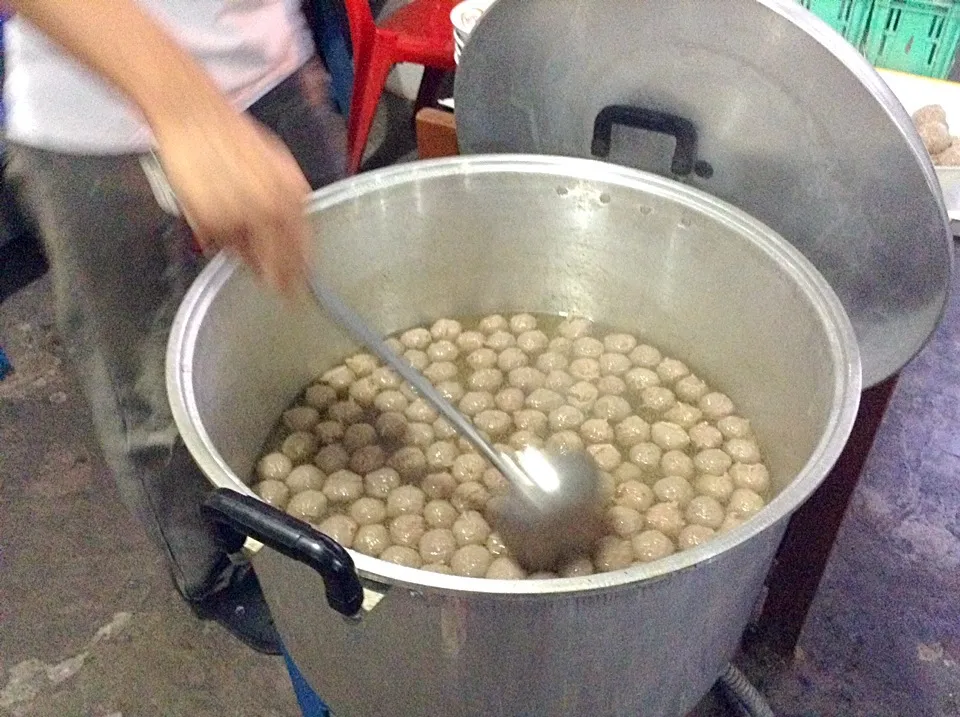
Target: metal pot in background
(472, 235)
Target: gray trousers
(120, 268)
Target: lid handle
(235, 516)
(683, 130)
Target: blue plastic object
(5, 366)
(310, 703)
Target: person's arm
(238, 185)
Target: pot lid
(757, 102)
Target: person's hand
(240, 190)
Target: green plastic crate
(915, 36)
(848, 17)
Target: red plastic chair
(420, 32)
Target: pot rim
(846, 378)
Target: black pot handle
(236, 516)
(683, 130)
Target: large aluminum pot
(471, 235)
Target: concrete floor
(90, 626)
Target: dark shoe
(241, 608)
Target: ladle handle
(351, 321)
(681, 129)
(235, 517)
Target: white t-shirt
(55, 103)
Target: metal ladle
(554, 508)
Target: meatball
(521, 439)
(690, 388)
(504, 568)
(611, 408)
(346, 412)
(487, 380)
(405, 500)
(273, 492)
(471, 561)
(301, 418)
(673, 489)
(340, 528)
(573, 328)
(418, 338)
(339, 379)
(409, 462)
(332, 458)
(619, 343)
(614, 364)
(544, 400)
(657, 399)
(646, 456)
(438, 485)
(715, 406)
(437, 546)
(605, 455)
(706, 511)
(443, 351)
(420, 411)
(684, 415)
(703, 436)
(631, 431)
(482, 358)
(754, 476)
(445, 330)
(440, 371)
(634, 495)
(623, 521)
(734, 427)
(509, 399)
(274, 466)
(440, 454)
(474, 402)
(586, 347)
(651, 545)
(743, 450)
(494, 423)
(391, 426)
(611, 386)
(391, 400)
(526, 378)
(402, 555)
(565, 418)
(512, 358)
(407, 530)
(305, 477)
(343, 487)
(533, 342)
(492, 323)
(451, 390)
(367, 511)
(501, 340)
(640, 378)
(470, 496)
(744, 503)
(578, 567)
(559, 381)
(585, 369)
(471, 529)
(677, 463)
(299, 447)
(718, 487)
(371, 540)
(669, 436)
(670, 370)
(583, 395)
(363, 392)
(693, 535)
(645, 356)
(552, 361)
(612, 553)
(379, 483)
(358, 435)
(385, 378)
(320, 396)
(665, 517)
(470, 341)
(596, 430)
(712, 461)
(439, 514)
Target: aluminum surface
(460, 237)
(799, 130)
